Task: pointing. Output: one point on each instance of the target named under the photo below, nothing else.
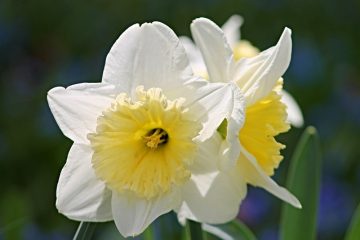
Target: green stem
(194, 231)
(85, 231)
(353, 231)
(148, 233)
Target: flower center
(156, 137)
(144, 145)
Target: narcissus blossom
(241, 49)
(145, 139)
(259, 79)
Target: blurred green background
(44, 44)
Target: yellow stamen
(156, 137)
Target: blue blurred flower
(33, 232)
(307, 63)
(255, 206)
(336, 206)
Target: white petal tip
(203, 20)
(285, 36)
(287, 30)
(297, 123)
(156, 23)
(200, 19)
(291, 199)
(237, 18)
(52, 91)
(296, 203)
(146, 24)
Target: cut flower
(259, 79)
(145, 139)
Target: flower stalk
(85, 231)
(194, 231)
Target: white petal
(218, 232)
(148, 55)
(119, 62)
(194, 55)
(230, 147)
(253, 174)
(77, 107)
(211, 196)
(295, 116)
(132, 215)
(79, 194)
(258, 75)
(210, 103)
(214, 48)
(231, 29)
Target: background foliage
(49, 43)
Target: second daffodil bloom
(241, 49)
(145, 136)
(259, 79)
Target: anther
(156, 137)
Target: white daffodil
(145, 139)
(265, 114)
(241, 49)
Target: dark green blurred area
(44, 44)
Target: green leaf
(148, 233)
(14, 211)
(85, 231)
(304, 182)
(234, 230)
(353, 233)
(194, 231)
(222, 129)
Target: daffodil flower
(145, 138)
(241, 49)
(265, 114)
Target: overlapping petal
(119, 64)
(294, 114)
(258, 75)
(255, 76)
(211, 196)
(148, 55)
(214, 102)
(79, 194)
(77, 107)
(231, 29)
(215, 50)
(194, 55)
(230, 147)
(253, 174)
(132, 215)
